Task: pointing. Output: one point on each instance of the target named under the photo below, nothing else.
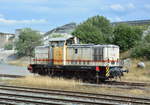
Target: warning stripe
(107, 71)
(48, 60)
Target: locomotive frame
(64, 57)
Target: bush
(126, 36)
(8, 47)
(147, 38)
(141, 51)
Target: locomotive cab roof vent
(60, 41)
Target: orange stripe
(56, 60)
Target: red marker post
(97, 74)
(97, 68)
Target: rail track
(127, 83)
(11, 76)
(120, 84)
(46, 96)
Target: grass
(138, 74)
(47, 82)
(73, 85)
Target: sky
(44, 15)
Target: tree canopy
(97, 30)
(27, 41)
(142, 50)
(126, 36)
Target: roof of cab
(92, 45)
(60, 38)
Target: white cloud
(56, 10)
(118, 19)
(32, 21)
(130, 5)
(117, 7)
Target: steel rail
(74, 96)
(53, 99)
(6, 103)
(25, 101)
(127, 83)
(116, 86)
(11, 76)
(81, 95)
(74, 92)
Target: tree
(142, 50)
(8, 47)
(27, 41)
(97, 30)
(126, 36)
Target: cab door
(58, 55)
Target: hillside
(67, 28)
(135, 22)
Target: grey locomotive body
(64, 57)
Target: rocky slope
(67, 28)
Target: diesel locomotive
(65, 57)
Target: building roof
(67, 28)
(1, 33)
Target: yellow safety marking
(107, 71)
